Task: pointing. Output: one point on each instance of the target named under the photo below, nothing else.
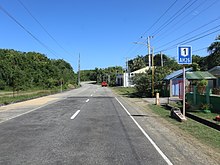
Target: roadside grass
(203, 133)
(126, 91)
(25, 95)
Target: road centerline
(87, 100)
(75, 114)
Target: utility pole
(149, 50)
(161, 58)
(152, 72)
(79, 70)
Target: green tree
(214, 57)
(136, 63)
(214, 48)
(142, 83)
(21, 70)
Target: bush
(142, 85)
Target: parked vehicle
(104, 84)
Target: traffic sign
(184, 54)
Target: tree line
(101, 74)
(28, 70)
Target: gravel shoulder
(179, 146)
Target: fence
(197, 98)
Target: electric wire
(184, 23)
(143, 34)
(160, 17)
(27, 31)
(200, 49)
(192, 39)
(175, 16)
(22, 4)
(204, 25)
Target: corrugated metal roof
(199, 75)
(215, 71)
(176, 74)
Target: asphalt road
(84, 126)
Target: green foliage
(142, 84)
(136, 63)
(202, 83)
(205, 106)
(99, 75)
(142, 61)
(214, 48)
(21, 71)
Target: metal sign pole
(184, 91)
(184, 57)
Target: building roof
(215, 71)
(176, 74)
(199, 75)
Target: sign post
(184, 58)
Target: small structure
(125, 79)
(174, 81)
(201, 75)
(216, 72)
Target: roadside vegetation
(24, 75)
(201, 132)
(9, 97)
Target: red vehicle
(104, 84)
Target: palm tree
(214, 49)
(215, 46)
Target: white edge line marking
(75, 114)
(87, 100)
(146, 135)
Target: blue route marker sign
(184, 54)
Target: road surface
(89, 125)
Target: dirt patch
(29, 103)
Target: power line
(155, 22)
(192, 39)
(176, 15)
(199, 49)
(34, 37)
(184, 23)
(190, 32)
(42, 26)
(161, 17)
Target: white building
(125, 79)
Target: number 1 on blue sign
(184, 51)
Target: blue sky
(103, 31)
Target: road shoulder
(179, 146)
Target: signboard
(184, 54)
